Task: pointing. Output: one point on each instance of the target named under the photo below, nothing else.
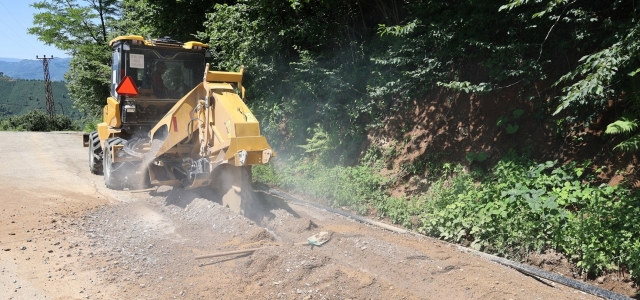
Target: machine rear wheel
(95, 154)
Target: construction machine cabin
(171, 121)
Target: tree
(67, 24)
(83, 29)
(181, 20)
(306, 63)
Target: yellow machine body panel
(105, 131)
(142, 40)
(193, 44)
(214, 117)
(229, 77)
(177, 124)
(128, 38)
(111, 113)
(231, 113)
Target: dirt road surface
(63, 235)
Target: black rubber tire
(95, 154)
(121, 175)
(114, 173)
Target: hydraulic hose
(130, 146)
(529, 270)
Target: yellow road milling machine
(171, 121)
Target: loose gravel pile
(146, 248)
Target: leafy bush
(37, 120)
(524, 206)
(337, 185)
(479, 157)
(90, 122)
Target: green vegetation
(479, 157)
(523, 206)
(626, 126)
(344, 66)
(509, 123)
(37, 120)
(18, 96)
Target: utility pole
(51, 109)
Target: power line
(7, 36)
(16, 22)
(11, 14)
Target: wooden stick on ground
(229, 253)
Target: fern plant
(320, 143)
(625, 126)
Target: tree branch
(86, 25)
(104, 29)
(550, 29)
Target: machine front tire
(95, 154)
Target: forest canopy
(339, 67)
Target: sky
(15, 17)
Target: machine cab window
(149, 76)
(163, 71)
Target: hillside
(8, 59)
(32, 68)
(19, 96)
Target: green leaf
(517, 113)
(482, 156)
(501, 121)
(512, 128)
(624, 125)
(630, 145)
(470, 156)
(476, 245)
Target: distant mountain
(10, 59)
(32, 68)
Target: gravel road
(63, 235)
